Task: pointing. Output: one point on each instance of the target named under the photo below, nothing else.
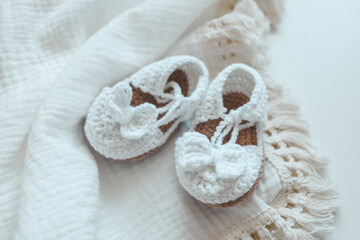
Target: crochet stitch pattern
(222, 159)
(136, 116)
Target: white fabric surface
(50, 74)
(56, 56)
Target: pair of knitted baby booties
(220, 160)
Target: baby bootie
(136, 116)
(220, 161)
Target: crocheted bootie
(136, 116)
(220, 161)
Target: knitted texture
(212, 171)
(53, 65)
(305, 207)
(118, 130)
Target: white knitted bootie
(136, 116)
(220, 161)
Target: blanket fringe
(272, 9)
(306, 205)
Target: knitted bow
(196, 153)
(135, 122)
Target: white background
(315, 53)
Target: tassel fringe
(307, 204)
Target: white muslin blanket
(56, 56)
